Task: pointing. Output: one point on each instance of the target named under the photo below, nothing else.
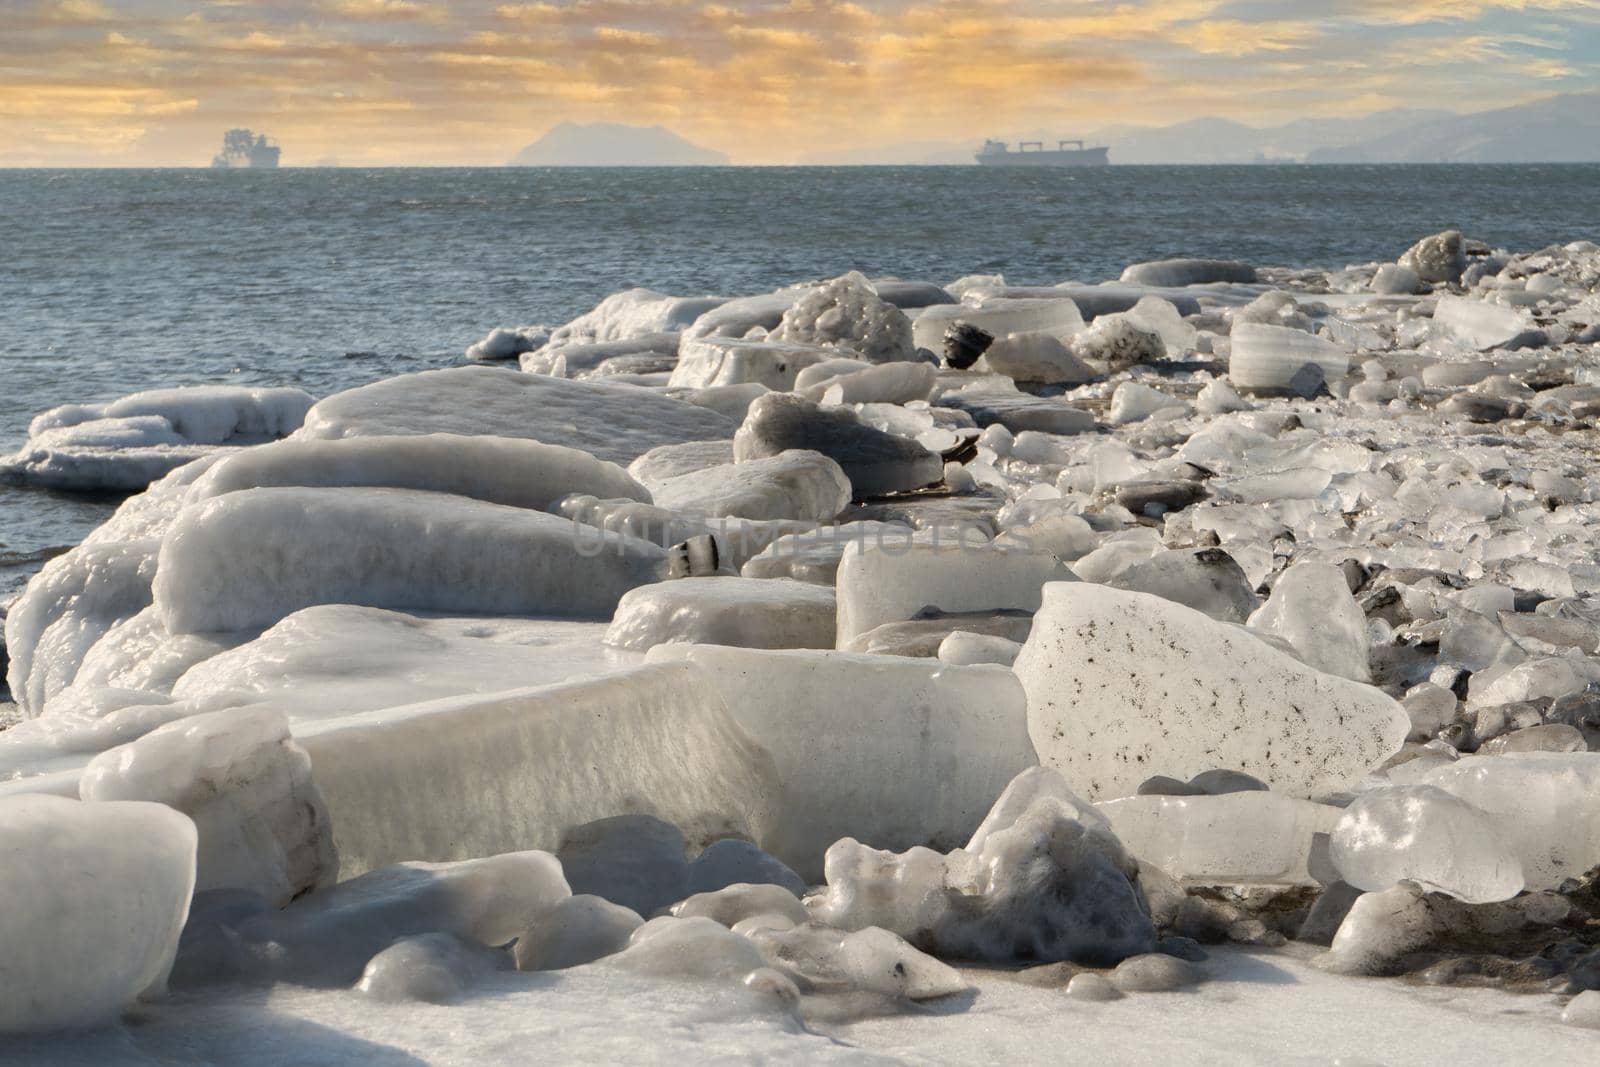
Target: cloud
(396, 81)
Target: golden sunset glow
(154, 82)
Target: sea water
(115, 281)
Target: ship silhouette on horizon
(1035, 154)
(242, 149)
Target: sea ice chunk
(1312, 609)
(247, 559)
(898, 751)
(734, 903)
(750, 612)
(1247, 838)
(610, 421)
(1480, 325)
(1421, 834)
(656, 740)
(1036, 357)
(796, 484)
(1543, 804)
(848, 313)
(1275, 359)
(1125, 685)
(874, 461)
(95, 898)
(517, 473)
(886, 383)
(1181, 272)
(261, 822)
(1208, 580)
(633, 860)
(721, 361)
(999, 317)
(1439, 257)
(731, 861)
(878, 961)
(877, 584)
(1134, 401)
(1118, 342)
(991, 405)
(814, 556)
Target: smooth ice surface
(1421, 834)
(517, 473)
(1122, 686)
(853, 382)
(431, 968)
(612, 422)
(1544, 805)
(1249, 838)
(250, 558)
(998, 316)
(515, 770)
(796, 484)
(753, 613)
(878, 584)
(578, 930)
(1036, 357)
(261, 822)
(95, 898)
(1478, 324)
(1312, 609)
(893, 751)
(1179, 272)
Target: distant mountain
(1557, 129)
(609, 144)
(1211, 140)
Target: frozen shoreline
(1303, 559)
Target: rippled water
(113, 281)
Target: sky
(395, 82)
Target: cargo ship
(1035, 154)
(243, 149)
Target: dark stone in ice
(1218, 782)
(964, 343)
(1185, 948)
(1160, 785)
(1580, 710)
(1170, 496)
(1308, 381)
(633, 860)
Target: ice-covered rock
(1154, 972)
(1244, 838)
(95, 898)
(714, 361)
(634, 313)
(1036, 357)
(847, 313)
(1044, 886)
(260, 819)
(1311, 608)
(1378, 930)
(732, 904)
(656, 740)
(1423, 835)
(877, 584)
(430, 968)
(962, 648)
(247, 559)
(578, 930)
(731, 862)
(1180, 272)
(796, 484)
(814, 556)
(517, 473)
(1543, 805)
(897, 752)
(881, 962)
(1118, 342)
(1275, 360)
(696, 949)
(874, 461)
(749, 612)
(610, 421)
(670, 461)
(329, 937)
(500, 343)
(1438, 258)
(1208, 580)
(636, 861)
(1125, 685)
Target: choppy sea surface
(115, 281)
